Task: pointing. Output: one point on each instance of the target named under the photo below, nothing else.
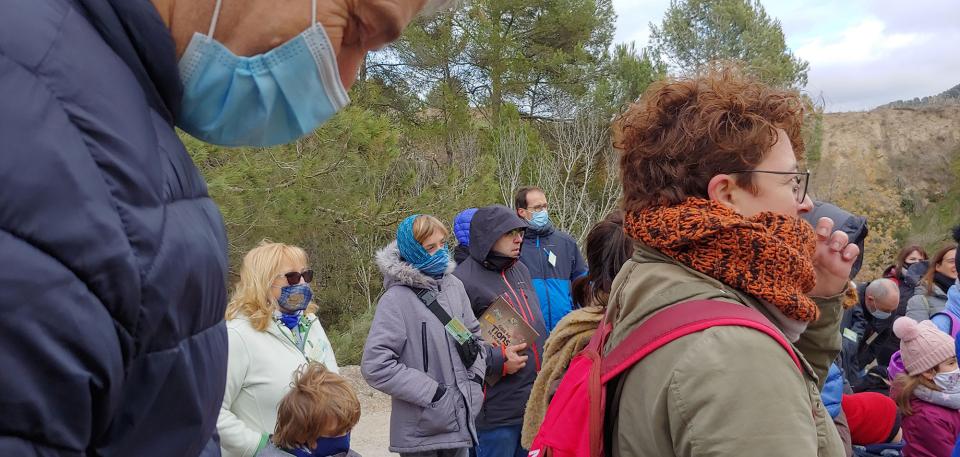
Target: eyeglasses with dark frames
(516, 231)
(801, 180)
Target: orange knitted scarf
(768, 256)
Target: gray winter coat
(408, 353)
(507, 396)
(921, 306)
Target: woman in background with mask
(415, 356)
(930, 296)
(910, 255)
(272, 330)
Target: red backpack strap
(683, 319)
(663, 327)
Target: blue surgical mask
(295, 298)
(540, 219)
(262, 100)
(877, 314)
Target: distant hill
(897, 165)
(948, 97)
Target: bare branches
(511, 151)
(578, 172)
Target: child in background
(928, 391)
(315, 417)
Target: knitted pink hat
(922, 346)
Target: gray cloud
(880, 68)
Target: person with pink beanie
(928, 392)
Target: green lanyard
(300, 335)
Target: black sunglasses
(293, 277)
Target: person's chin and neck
(336, 35)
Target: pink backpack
(573, 426)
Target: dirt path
(371, 436)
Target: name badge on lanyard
(552, 258)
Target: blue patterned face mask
(262, 100)
(436, 264)
(412, 251)
(294, 298)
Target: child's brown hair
(903, 388)
(320, 404)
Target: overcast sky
(862, 53)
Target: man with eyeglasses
(491, 272)
(552, 256)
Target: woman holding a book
(423, 348)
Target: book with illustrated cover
(501, 324)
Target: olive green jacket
(725, 391)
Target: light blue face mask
(262, 100)
(540, 219)
(880, 314)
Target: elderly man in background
(867, 331)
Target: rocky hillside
(894, 165)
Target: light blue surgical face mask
(539, 219)
(262, 100)
(880, 314)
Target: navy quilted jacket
(112, 256)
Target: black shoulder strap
(429, 298)
(468, 350)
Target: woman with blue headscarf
(423, 348)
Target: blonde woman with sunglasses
(272, 329)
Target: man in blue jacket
(114, 261)
(553, 258)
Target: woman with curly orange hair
(713, 190)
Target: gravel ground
(371, 436)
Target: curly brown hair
(681, 133)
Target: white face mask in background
(949, 381)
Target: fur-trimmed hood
(395, 270)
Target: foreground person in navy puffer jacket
(112, 256)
